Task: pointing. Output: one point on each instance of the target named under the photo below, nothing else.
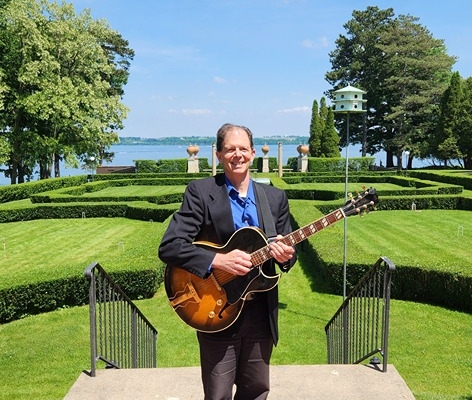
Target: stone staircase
(294, 382)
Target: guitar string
(260, 256)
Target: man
(212, 210)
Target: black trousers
(238, 356)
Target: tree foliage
(404, 71)
(453, 135)
(444, 146)
(324, 140)
(316, 130)
(464, 127)
(64, 75)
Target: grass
(36, 250)
(438, 239)
(137, 190)
(42, 356)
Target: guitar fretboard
(260, 256)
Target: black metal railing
(120, 335)
(359, 329)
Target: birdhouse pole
(347, 100)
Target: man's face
(236, 155)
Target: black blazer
(205, 214)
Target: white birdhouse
(348, 99)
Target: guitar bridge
(188, 294)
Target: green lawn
(41, 356)
(40, 249)
(438, 239)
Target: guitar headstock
(362, 202)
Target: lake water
(127, 154)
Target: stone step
(295, 382)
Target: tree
(453, 134)
(419, 72)
(316, 130)
(404, 71)
(464, 128)
(357, 61)
(444, 146)
(324, 139)
(330, 140)
(65, 74)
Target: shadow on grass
(285, 307)
(311, 265)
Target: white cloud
(218, 79)
(315, 44)
(196, 111)
(293, 110)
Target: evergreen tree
(464, 128)
(324, 139)
(330, 139)
(445, 144)
(314, 142)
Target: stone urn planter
(303, 149)
(193, 150)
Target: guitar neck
(262, 255)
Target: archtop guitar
(214, 303)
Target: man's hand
(280, 251)
(236, 262)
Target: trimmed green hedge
(26, 190)
(334, 164)
(20, 301)
(339, 164)
(410, 283)
(139, 210)
(166, 166)
(452, 177)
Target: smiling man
(232, 208)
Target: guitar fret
(262, 255)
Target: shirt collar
(250, 190)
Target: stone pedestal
(265, 159)
(265, 164)
(192, 162)
(302, 163)
(192, 165)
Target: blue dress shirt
(243, 209)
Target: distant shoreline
(208, 140)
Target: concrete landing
(294, 382)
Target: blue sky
(259, 63)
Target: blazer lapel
(220, 210)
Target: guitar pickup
(189, 293)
